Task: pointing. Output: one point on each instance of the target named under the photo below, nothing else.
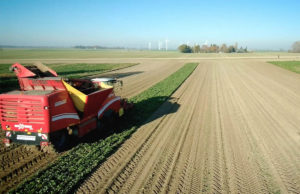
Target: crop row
(67, 173)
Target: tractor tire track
(281, 149)
(235, 132)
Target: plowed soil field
(237, 130)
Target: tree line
(213, 48)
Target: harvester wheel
(60, 140)
(108, 122)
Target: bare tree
(224, 48)
(296, 47)
(204, 48)
(196, 49)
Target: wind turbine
(159, 45)
(167, 44)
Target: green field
(17, 54)
(67, 172)
(8, 80)
(289, 65)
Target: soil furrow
(20, 163)
(281, 155)
(234, 133)
(163, 142)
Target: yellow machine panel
(78, 97)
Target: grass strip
(70, 170)
(289, 65)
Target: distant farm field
(94, 54)
(289, 65)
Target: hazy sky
(257, 24)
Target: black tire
(99, 124)
(60, 140)
(108, 123)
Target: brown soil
(19, 162)
(236, 131)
